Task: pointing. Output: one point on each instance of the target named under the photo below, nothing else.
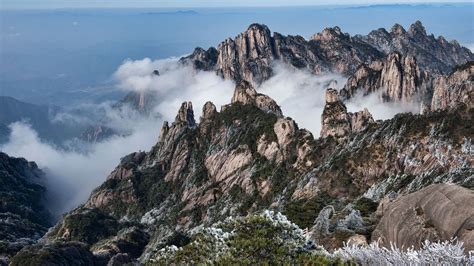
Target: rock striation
(437, 212)
(454, 89)
(394, 78)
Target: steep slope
(23, 216)
(249, 56)
(455, 88)
(249, 157)
(393, 78)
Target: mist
(73, 173)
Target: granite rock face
(337, 122)
(250, 55)
(437, 212)
(454, 89)
(394, 78)
(434, 54)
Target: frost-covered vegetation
(431, 253)
(270, 238)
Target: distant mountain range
(40, 118)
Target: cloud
(300, 94)
(75, 172)
(175, 84)
(71, 176)
(378, 108)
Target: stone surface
(454, 89)
(24, 217)
(394, 78)
(437, 212)
(249, 56)
(337, 122)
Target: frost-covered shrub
(270, 238)
(266, 238)
(431, 253)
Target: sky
(27, 4)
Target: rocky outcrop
(23, 216)
(434, 54)
(248, 156)
(395, 78)
(246, 94)
(58, 253)
(437, 212)
(454, 89)
(250, 55)
(337, 122)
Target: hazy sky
(191, 3)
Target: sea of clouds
(73, 173)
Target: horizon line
(414, 3)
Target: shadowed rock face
(437, 212)
(23, 216)
(249, 55)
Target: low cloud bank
(73, 174)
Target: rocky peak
(331, 96)
(397, 29)
(417, 29)
(202, 59)
(250, 54)
(208, 111)
(245, 93)
(337, 122)
(329, 34)
(186, 114)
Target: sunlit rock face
(249, 55)
(454, 89)
(337, 122)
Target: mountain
(23, 215)
(244, 177)
(249, 157)
(249, 56)
(38, 116)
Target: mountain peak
(398, 29)
(245, 93)
(417, 28)
(186, 114)
(258, 27)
